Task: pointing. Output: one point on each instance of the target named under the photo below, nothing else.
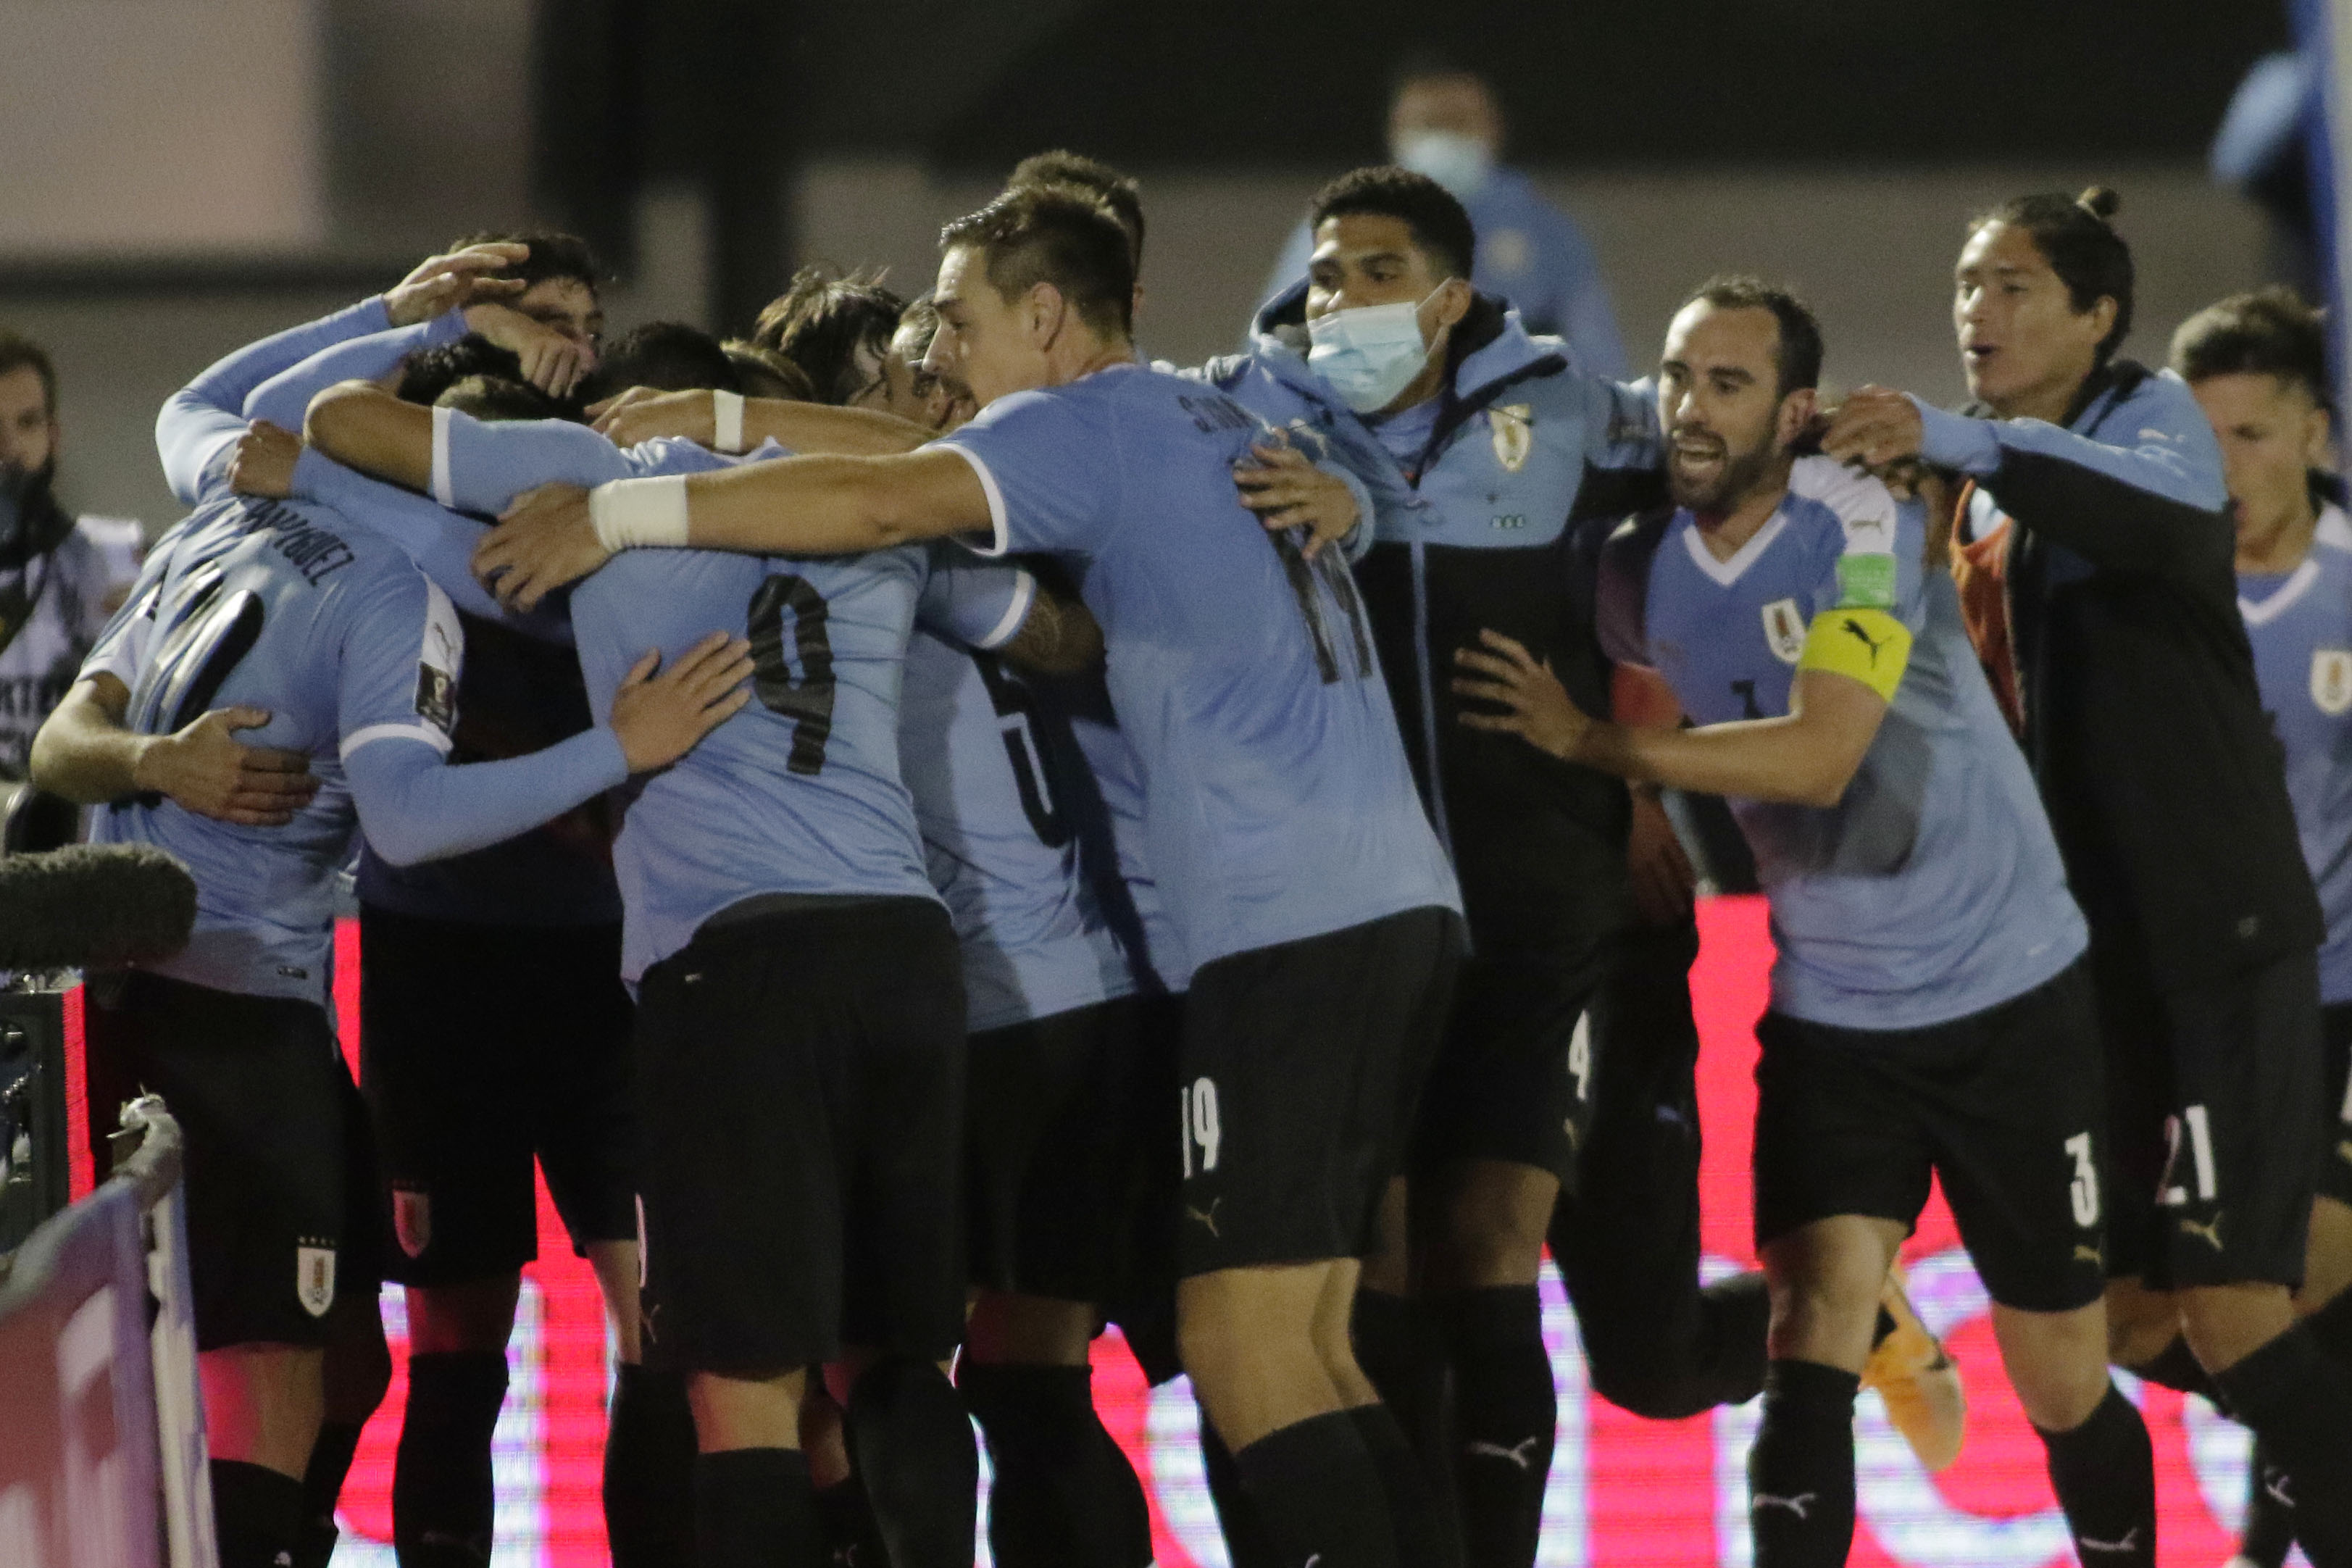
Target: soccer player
(1930, 1011)
(328, 641)
(2258, 365)
(2097, 562)
(1298, 866)
(60, 576)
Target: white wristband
(629, 512)
(726, 421)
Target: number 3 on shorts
(2085, 1188)
(1199, 1113)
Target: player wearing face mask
(1445, 123)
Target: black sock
(1246, 1542)
(2105, 1474)
(1064, 1490)
(1504, 1414)
(1398, 1345)
(442, 1497)
(911, 1442)
(2298, 1401)
(845, 1521)
(649, 1469)
(2178, 1370)
(1426, 1536)
(1801, 1471)
(1318, 1494)
(322, 1484)
(2269, 1529)
(751, 1510)
(256, 1514)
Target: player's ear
(1796, 411)
(1044, 311)
(1453, 299)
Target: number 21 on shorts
(1202, 1132)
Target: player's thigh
(2017, 1131)
(581, 1079)
(2135, 1039)
(1515, 1074)
(1837, 1131)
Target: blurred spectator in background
(1446, 122)
(60, 577)
(2262, 151)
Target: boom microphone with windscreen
(94, 905)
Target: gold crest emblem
(1784, 629)
(2331, 680)
(1514, 425)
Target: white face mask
(1453, 159)
(1369, 354)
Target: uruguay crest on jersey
(1513, 426)
(314, 1279)
(1784, 629)
(2331, 680)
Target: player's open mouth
(1978, 353)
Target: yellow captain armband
(1869, 645)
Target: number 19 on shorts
(1202, 1132)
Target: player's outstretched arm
(412, 808)
(794, 506)
(84, 753)
(641, 414)
(1805, 758)
(362, 426)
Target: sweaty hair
(1067, 236)
(17, 351)
(1118, 192)
(2269, 332)
(668, 356)
(551, 256)
(764, 373)
(1797, 358)
(427, 373)
(1440, 228)
(2081, 246)
(826, 321)
(497, 397)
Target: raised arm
(642, 415)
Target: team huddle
(828, 797)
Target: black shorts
(802, 1080)
(480, 1047)
(2003, 1105)
(2220, 1121)
(280, 1175)
(1056, 1127)
(1143, 1300)
(1300, 1070)
(1514, 1075)
(2335, 1048)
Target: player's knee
(2057, 1362)
(1491, 1226)
(1641, 1379)
(478, 1315)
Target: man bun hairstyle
(20, 353)
(824, 322)
(1118, 192)
(668, 356)
(2268, 333)
(1798, 357)
(552, 254)
(2079, 242)
(1067, 236)
(1441, 228)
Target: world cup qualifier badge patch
(1784, 630)
(2331, 680)
(1514, 428)
(314, 1277)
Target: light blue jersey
(1278, 802)
(2301, 626)
(1933, 890)
(982, 754)
(798, 794)
(285, 607)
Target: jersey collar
(2298, 583)
(1726, 573)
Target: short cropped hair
(1798, 357)
(20, 353)
(2269, 332)
(497, 397)
(1441, 228)
(1118, 192)
(764, 373)
(825, 321)
(668, 356)
(1067, 236)
(552, 254)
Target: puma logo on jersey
(1521, 1453)
(2131, 1543)
(2209, 1233)
(1206, 1217)
(1801, 1505)
(1853, 629)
